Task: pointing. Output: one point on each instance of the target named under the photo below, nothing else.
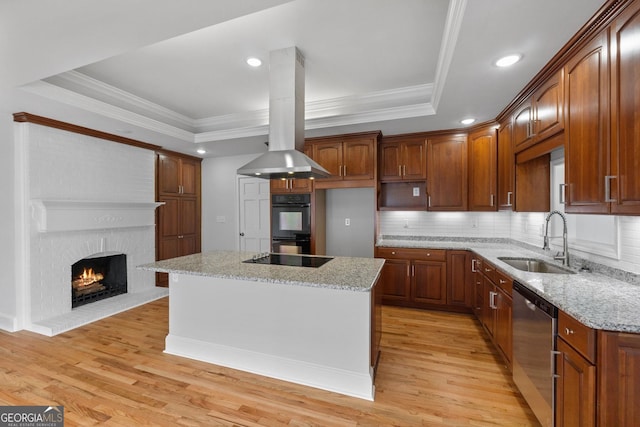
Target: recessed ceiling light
(201, 151)
(507, 61)
(254, 62)
(467, 121)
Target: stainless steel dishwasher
(534, 347)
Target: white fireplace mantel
(75, 215)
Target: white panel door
(255, 214)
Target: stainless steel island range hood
(286, 123)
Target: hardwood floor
(436, 369)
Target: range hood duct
(286, 123)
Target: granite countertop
(344, 273)
(595, 299)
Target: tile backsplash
(523, 227)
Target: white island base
(315, 336)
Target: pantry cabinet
(178, 220)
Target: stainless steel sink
(535, 265)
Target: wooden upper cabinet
(483, 159)
(403, 160)
(447, 173)
(547, 108)
(522, 130)
(329, 156)
(351, 159)
(506, 167)
(586, 128)
(625, 102)
(177, 175)
(541, 115)
(358, 159)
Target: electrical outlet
(347, 221)
(406, 223)
(416, 191)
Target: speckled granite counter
(595, 299)
(353, 274)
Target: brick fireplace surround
(81, 196)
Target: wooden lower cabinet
(428, 282)
(426, 278)
(618, 398)
(575, 388)
(494, 307)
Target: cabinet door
(278, 186)
(169, 218)
(522, 132)
(575, 389)
(506, 167)
(625, 104)
(586, 128)
(188, 216)
(488, 310)
(168, 174)
(428, 282)
(358, 159)
(395, 280)
(547, 108)
(477, 287)
(329, 156)
(459, 283)
(618, 379)
(482, 170)
(189, 176)
(390, 162)
(447, 173)
(414, 164)
(503, 330)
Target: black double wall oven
(291, 223)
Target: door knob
(242, 234)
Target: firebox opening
(97, 278)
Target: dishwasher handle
(531, 306)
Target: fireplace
(98, 277)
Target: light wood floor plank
(436, 369)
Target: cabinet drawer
(411, 253)
(579, 336)
(503, 281)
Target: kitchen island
(318, 327)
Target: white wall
(7, 223)
(220, 200)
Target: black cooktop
(289, 259)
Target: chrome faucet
(565, 242)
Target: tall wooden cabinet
(178, 221)
(447, 173)
(506, 167)
(587, 128)
(483, 157)
(625, 104)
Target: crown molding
(74, 99)
(406, 102)
(452, 27)
(123, 97)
